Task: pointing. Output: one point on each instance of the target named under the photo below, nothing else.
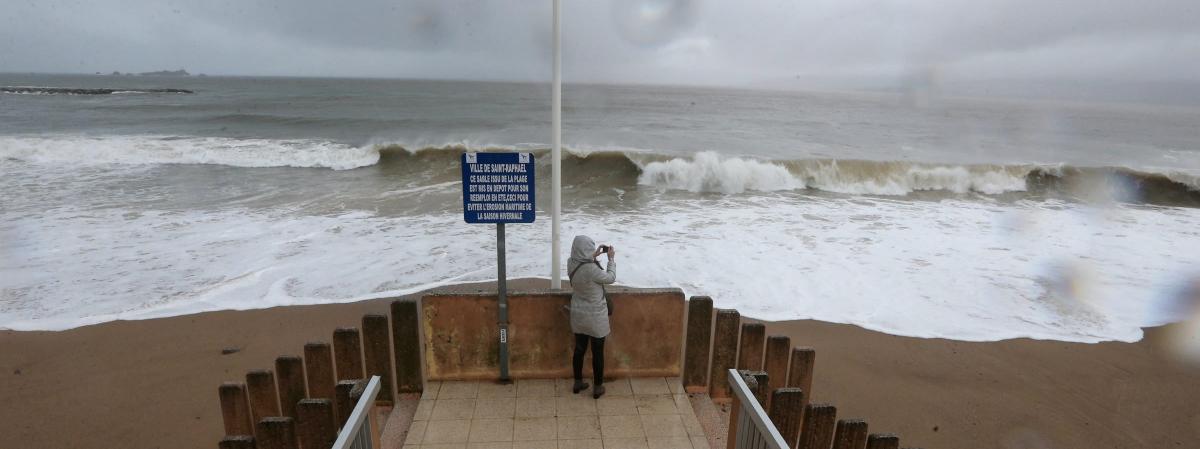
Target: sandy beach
(153, 383)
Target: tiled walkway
(648, 413)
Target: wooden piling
(235, 409)
(314, 424)
(776, 361)
(761, 387)
(800, 370)
(236, 442)
(787, 409)
(276, 432)
(850, 434)
(290, 370)
(750, 351)
(818, 427)
(883, 441)
(347, 353)
(724, 356)
(342, 404)
(264, 400)
(377, 355)
(406, 346)
(698, 344)
(318, 369)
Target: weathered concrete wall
(462, 340)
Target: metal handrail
(356, 434)
(754, 429)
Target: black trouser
(581, 344)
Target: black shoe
(579, 386)
(598, 391)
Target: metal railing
(754, 429)
(356, 434)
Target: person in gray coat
(589, 310)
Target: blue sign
(498, 188)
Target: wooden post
(787, 408)
(347, 353)
(778, 349)
(264, 401)
(342, 404)
(314, 423)
(817, 430)
(236, 442)
(406, 346)
(750, 353)
(378, 355)
(760, 387)
(698, 344)
(735, 411)
(800, 371)
(318, 368)
(276, 432)
(235, 409)
(883, 441)
(850, 434)
(724, 355)
(291, 383)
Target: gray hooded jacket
(589, 312)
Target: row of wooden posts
(781, 376)
(303, 402)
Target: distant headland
(180, 72)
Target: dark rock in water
(116, 73)
(83, 91)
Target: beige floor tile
(495, 407)
(545, 444)
(445, 446)
(491, 429)
(575, 405)
(655, 405)
(424, 410)
(663, 426)
(447, 431)
(674, 384)
(453, 409)
(647, 385)
(491, 445)
(411, 446)
(534, 407)
(692, 425)
(682, 404)
(616, 405)
(562, 387)
(416, 432)
(625, 443)
(617, 387)
(431, 389)
(668, 443)
(578, 427)
(621, 427)
(458, 390)
(594, 443)
(530, 388)
(497, 390)
(533, 429)
(699, 442)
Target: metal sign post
(498, 188)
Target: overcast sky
(745, 42)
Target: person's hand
(612, 252)
(597, 253)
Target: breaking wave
(32, 90)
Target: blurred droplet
(1183, 304)
(653, 22)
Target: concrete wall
(462, 340)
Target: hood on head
(582, 248)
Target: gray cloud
(651, 41)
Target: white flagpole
(556, 153)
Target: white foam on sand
(964, 270)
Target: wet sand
(153, 383)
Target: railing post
(776, 361)
(698, 344)
(264, 400)
(724, 352)
(735, 416)
(787, 408)
(883, 441)
(406, 346)
(817, 430)
(276, 432)
(291, 383)
(850, 434)
(318, 365)
(378, 356)
(750, 353)
(314, 425)
(235, 409)
(347, 353)
(236, 442)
